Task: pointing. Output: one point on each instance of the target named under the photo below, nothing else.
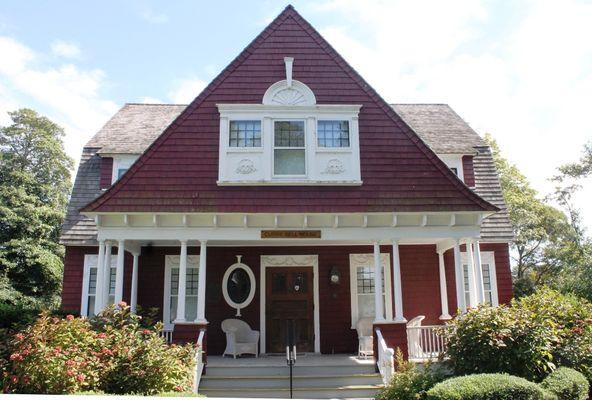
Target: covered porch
(388, 266)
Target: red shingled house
(288, 195)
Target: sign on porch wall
(311, 234)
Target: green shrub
(111, 353)
(486, 387)
(529, 338)
(567, 384)
(410, 382)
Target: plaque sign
(275, 234)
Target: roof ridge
(420, 104)
(154, 104)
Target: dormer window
(245, 134)
(289, 139)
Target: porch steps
(312, 380)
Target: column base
(201, 322)
(445, 317)
(179, 321)
(402, 320)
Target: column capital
(203, 241)
(183, 242)
(395, 241)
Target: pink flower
(70, 372)
(69, 363)
(14, 379)
(145, 331)
(80, 378)
(178, 388)
(19, 336)
(57, 350)
(122, 304)
(26, 380)
(70, 317)
(14, 356)
(102, 335)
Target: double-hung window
(489, 278)
(333, 134)
(171, 289)
(245, 134)
(362, 286)
(289, 151)
(89, 284)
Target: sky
(520, 70)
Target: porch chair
(414, 337)
(240, 338)
(365, 337)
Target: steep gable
(179, 170)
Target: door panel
(289, 308)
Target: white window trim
(170, 262)
(487, 257)
(120, 161)
(454, 161)
(360, 260)
(321, 149)
(290, 261)
(244, 304)
(90, 261)
(232, 149)
(305, 148)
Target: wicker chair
(240, 338)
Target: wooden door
(289, 307)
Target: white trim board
(90, 261)
(171, 261)
(487, 257)
(278, 261)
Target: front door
(289, 308)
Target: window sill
(290, 183)
(244, 150)
(334, 150)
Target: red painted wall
(468, 171)
(419, 270)
(179, 171)
(106, 172)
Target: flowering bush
(529, 338)
(111, 353)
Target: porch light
(335, 276)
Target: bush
(111, 354)
(529, 338)
(567, 384)
(410, 382)
(486, 387)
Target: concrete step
(302, 381)
(274, 370)
(342, 392)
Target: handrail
(167, 334)
(386, 359)
(426, 342)
(199, 365)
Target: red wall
(106, 172)
(468, 171)
(419, 270)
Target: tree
(34, 189)
(541, 230)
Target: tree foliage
(34, 189)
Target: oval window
(238, 286)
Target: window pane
(112, 274)
(333, 133)
(365, 306)
(90, 311)
(173, 309)
(174, 281)
(289, 162)
(192, 278)
(289, 133)
(191, 308)
(121, 171)
(92, 281)
(245, 134)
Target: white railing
(425, 342)
(386, 359)
(199, 365)
(167, 334)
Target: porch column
(201, 283)
(443, 289)
(478, 272)
(471, 275)
(107, 275)
(378, 299)
(397, 286)
(134, 293)
(100, 278)
(182, 283)
(119, 272)
(458, 275)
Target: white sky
(520, 70)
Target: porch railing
(426, 342)
(167, 334)
(386, 359)
(199, 365)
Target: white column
(182, 283)
(443, 289)
(119, 271)
(107, 274)
(201, 283)
(478, 272)
(471, 276)
(397, 286)
(378, 299)
(134, 293)
(458, 275)
(100, 278)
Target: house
(291, 196)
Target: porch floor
(302, 360)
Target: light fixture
(334, 276)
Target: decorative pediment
(298, 94)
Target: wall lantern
(334, 276)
